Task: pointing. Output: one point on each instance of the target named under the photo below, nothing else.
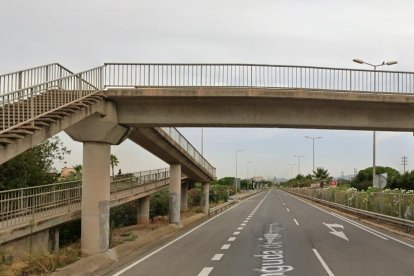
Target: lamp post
(313, 150)
(239, 150)
(247, 174)
(299, 157)
(360, 61)
(202, 141)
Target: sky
(82, 34)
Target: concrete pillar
(184, 197)
(95, 197)
(205, 197)
(175, 194)
(143, 210)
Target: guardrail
(177, 137)
(359, 212)
(24, 205)
(32, 76)
(219, 208)
(257, 75)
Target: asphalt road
(275, 233)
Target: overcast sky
(82, 34)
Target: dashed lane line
(287, 209)
(236, 233)
(231, 239)
(205, 271)
(225, 246)
(297, 223)
(217, 257)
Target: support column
(175, 194)
(143, 210)
(95, 197)
(184, 197)
(205, 197)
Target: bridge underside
(263, 107)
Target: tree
(363, 179)
(321, 173)
(76, 174)
(33, 167)
(114, 163)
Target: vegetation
(33, 167)
(114, 163)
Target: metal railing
(26, 105)
(32, 76)
(178, 138)
(257, 75)
(26, 205)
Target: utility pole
(299, 157)
(404, 161)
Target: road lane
(277, 233)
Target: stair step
(11, 136)
(6, 141)
(29, 127)
(22, 131)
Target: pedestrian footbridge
(143, 102)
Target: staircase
(29, 110)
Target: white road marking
(239, 228)
(284, 204)
(339, 234)
(325, 266)
(243, 224)
(287, 209)
(245, 221)
(226, 246)
(360, 226)
(232, 239)
(297, 223)
(180, 237)
(236, 233)
(205, 271)
(217, 257)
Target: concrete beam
(263, 107)
(175, 194)
(154, 142)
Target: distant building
(66, 171)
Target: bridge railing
(28, 204)
(256, 75)
(177, 137)
(26, 105)
(32, 76)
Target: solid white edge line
(361, 226)
(205, 271)
(325, 266)
(297, 223)
(217, 257)
(179, 238)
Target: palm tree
(114, 163)
(321, 173)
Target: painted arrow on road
(339, 234)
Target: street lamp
(239, 150)
(247, 175)
(360, 61)
(299, 157)
(313, 150)
(202, 141)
